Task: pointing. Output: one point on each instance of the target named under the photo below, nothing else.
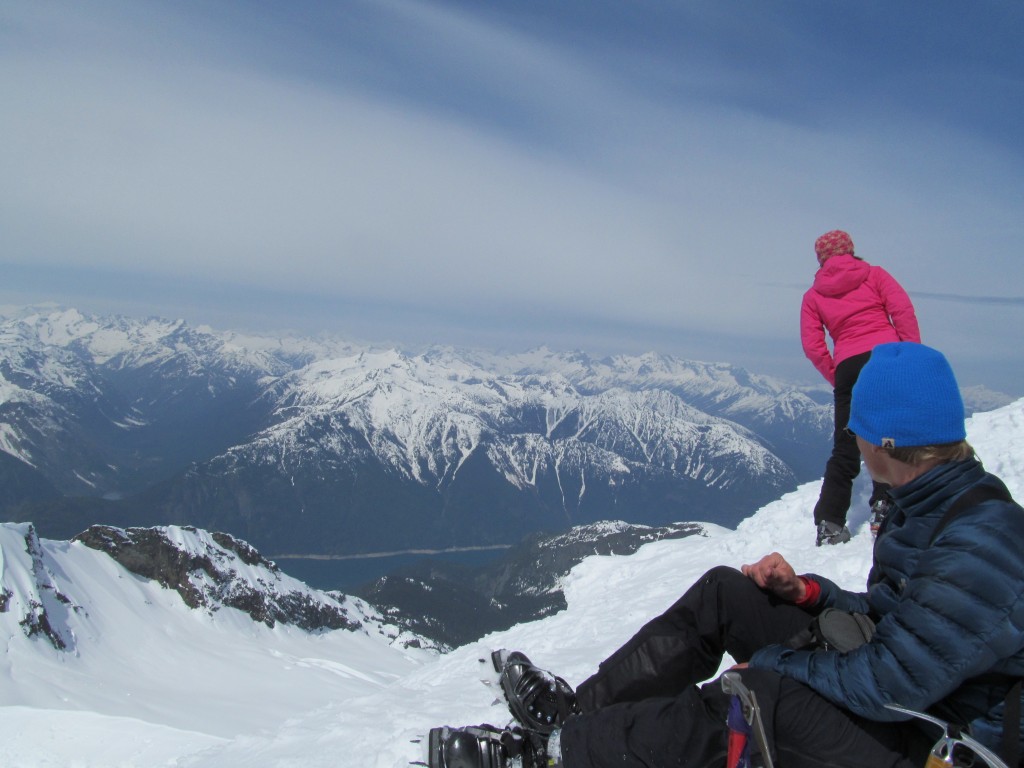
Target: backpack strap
(972, 497)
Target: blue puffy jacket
(950, 613)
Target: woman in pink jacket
(860, 306)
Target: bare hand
(773, 573)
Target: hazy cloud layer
(514, 174)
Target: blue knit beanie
(906, 395)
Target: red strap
(811, 594)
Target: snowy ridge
(86, 638)
(214, 571)
(125, 342)
(425, 421)
(295, 424)
(277, 698)
(377, 449)
(30, 597)
(41, 388)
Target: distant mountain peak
(323, 446)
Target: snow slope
(144, 678)
(337, 700)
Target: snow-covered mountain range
(106, 667)
(304, 446)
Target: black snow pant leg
(689, 730)
(723, 612)
(844, 463)
(806, 730)
(684, 730)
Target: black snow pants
(843, 465)
(643, 707)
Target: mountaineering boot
(538, 700)
(879, 511)
(484, 746)
(832, 533)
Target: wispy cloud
(1009, 301)
(663, 170)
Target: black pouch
(834, 630)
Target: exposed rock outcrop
(215, 570)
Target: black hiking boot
(832, 533)
(484, 746)
(539, 701)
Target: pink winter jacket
(860, 306)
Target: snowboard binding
(538, 700)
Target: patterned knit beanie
(906, 395)
(832, 244)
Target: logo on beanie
(888, 442)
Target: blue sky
(607, 176)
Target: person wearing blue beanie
(907, 396)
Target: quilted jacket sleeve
(832, 596)
(812, 336)
(960, 612)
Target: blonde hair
(943, 454)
